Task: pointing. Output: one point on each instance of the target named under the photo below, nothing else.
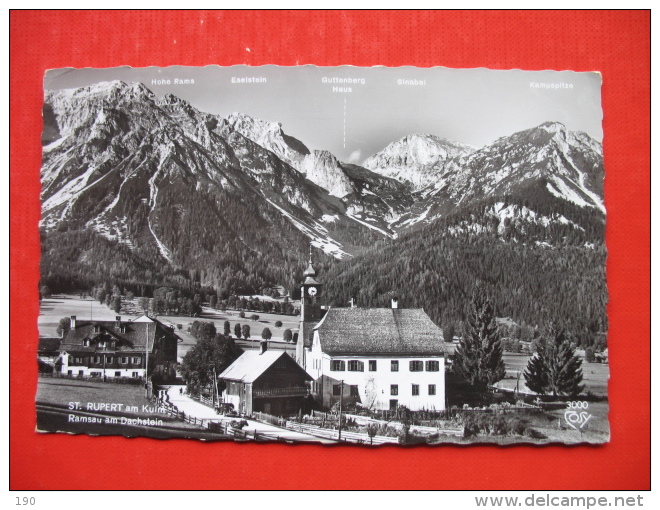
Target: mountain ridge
(233, 202)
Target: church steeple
(310, 311)
(310, 272)
(311, 286)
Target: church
(378, 358)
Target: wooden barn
(265, 381)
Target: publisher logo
(576, 415)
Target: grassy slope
(54, 395)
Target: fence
(269, 418)
(173, 411)
(206, 401)
(351, 437)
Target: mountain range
(147, 189)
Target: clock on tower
(310, 293)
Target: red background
(616, 43)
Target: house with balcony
(119, 349)
(266, 381)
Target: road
(193, 408)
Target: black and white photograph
(330, 255)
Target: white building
(119, 348)
(378, 357)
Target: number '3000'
(579, 404)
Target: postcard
(334, 255)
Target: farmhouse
(48, 353)
(377, 357)
(265, 381)
(119, 349)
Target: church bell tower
(310, 310)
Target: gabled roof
(143, 318)
(379, 331)
(134, 337)
(49, 344)
(252, 364)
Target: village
(324, 375)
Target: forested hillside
(143, 192)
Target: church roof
(379, 331)
(310, 271)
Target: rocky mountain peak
(322, 168)
(270, 136)
(417, 159)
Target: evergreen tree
(116, 303)
(288, 335)
(208, 353)
(45, 291)
(245, 330)
(478, 358)
(555, 370)
(449, 332)
(266, 334)
(227, 327)
(237, 330)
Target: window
(101, 344)
(336, 390)
(86, 343)
(416, 366)
(415, 390)
(394, 389)
(97, 359)
(354, 391)
(137, 360)
(77, 360)
(355, 365)
(281, 363)
(394, 366)
(431, 389)
(117, 374)
(97, 328)
(432, 366)
(124, 360)
(135, 375)
(372, 365)
(338, 365)
(109, 359)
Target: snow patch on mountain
(372, 227)
(328, 245)
(512, 212)
(560, 189)
(161, 247)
